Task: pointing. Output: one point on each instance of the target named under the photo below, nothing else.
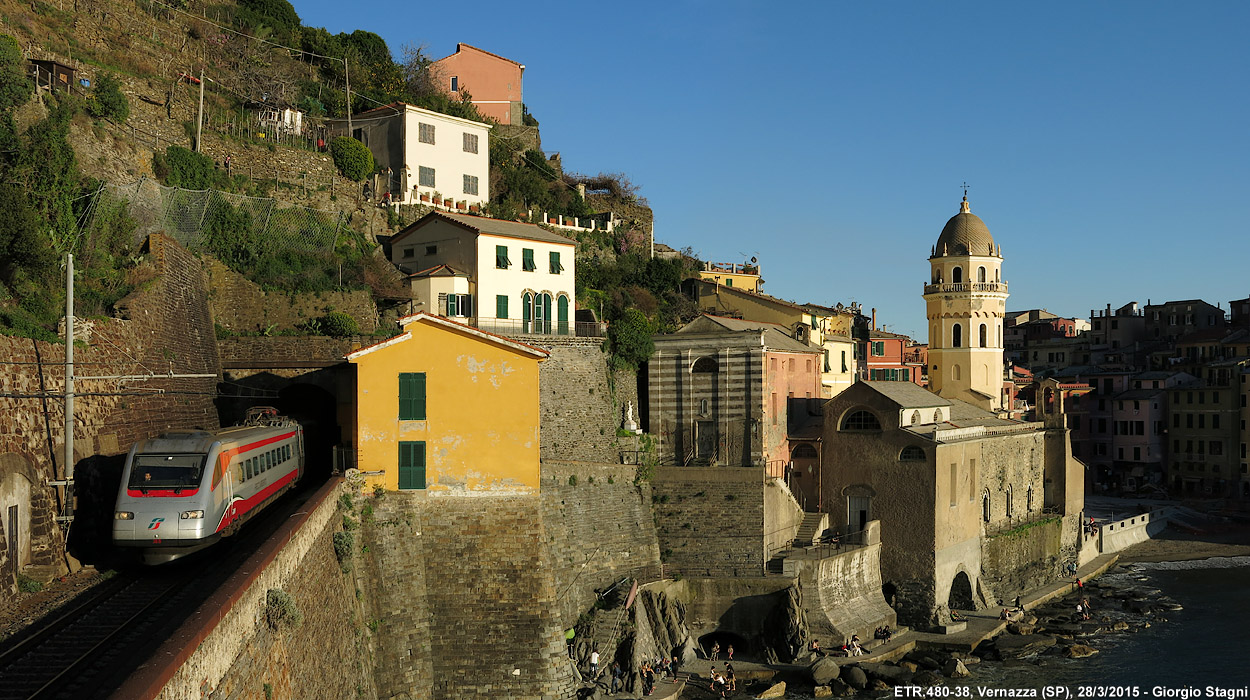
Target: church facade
(973, 504)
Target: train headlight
(192, 514)
(123, 515)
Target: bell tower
(966, 301)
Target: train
(183, 491)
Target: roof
(491, 227)
(776, 337)
(1138, 394)
(438, 271)
(397, 108)
(965, 234)
(885, 334)
(1156, 374)
(423, 317)
(751, 295)
(908, 395)
(461, 45)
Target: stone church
(974, 505)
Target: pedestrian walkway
(985, 624)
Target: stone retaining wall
(842, 593)
(1021, 559)
(599, 529)
(580, 405)
(710, 520)
(241, 306)
(1114, 537)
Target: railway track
(88, 648)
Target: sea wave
(1212, 563)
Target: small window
(861, 420)
(431, 250)
(425, 176)
(470, 143)
(556, 267)
(409, 253)
(425, 133)
(411, 465)
(501, 306)
(455, 87)
(527, 260)
(501, 257)
(911, 453)
(470, 184)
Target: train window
(264, 460)
(247, 472)
(286, 450)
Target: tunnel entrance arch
(961, 593)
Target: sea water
(1204, 645)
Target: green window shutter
(562, 315)
(501, 306)
(411, 465)
(556, 267)
(501, 257)
(412, 396)
(527, 260)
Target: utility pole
(199, 120)
(348, 78)
(68, 504)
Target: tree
(15, 85)
(352, 158)
(631, 338)
(107, 100)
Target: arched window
(911, 453)
(803, 451)
(861, 420)
(957, 275)
(705, 364)
(985, 506)
(957, 336)
(1028, 503)
(915, 417)
(527, 312)
(984, 336)
(937, 275)
(1009, 495)
(955, 372)
(937, 416)
(562, 315)
(705, 407)
(981, 274)
(996, 272)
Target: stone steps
(809, 530)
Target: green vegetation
(352, 158)
(1019, 530)
(107, 100)
(26, 584)
(182, 167)
(281, 610)
(343, 543)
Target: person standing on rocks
(715, 650)
(673, 667)
(616, 676)
(730, 652)
(731, 681)
(594, 663)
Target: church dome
(965, 234)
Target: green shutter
(562, 317)
(412, 396)
(556, 267)
(501, 306)
(526, 312)
(501, 257)
(527, 260)
(411, 465)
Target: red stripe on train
(239, 507)
(223, 458)
(163, 493)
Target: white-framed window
(425, 176)
(425, 133)
(470, 184)
(455, 83)
(470, 142)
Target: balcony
(992, 287)
(540, 327)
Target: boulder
(689, 657)
(1021, 628)
(1079, 651)
(855, 677)
(1016, 646)
(955, 669)
(822, 691)
(778, 690)
(1120, 626)
(878, 684)
(841, 689)
(824, 671)
(909, 666)
(971, 660)
(926, 678)
(894, 675)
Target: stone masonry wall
(599, 529)
(1021, 558)
(710, 520)
(268, 351)
(579, 410)
(240, 305)
(165, 329)
(465, 595)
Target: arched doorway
(961, 593)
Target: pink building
(492, 82)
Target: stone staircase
(809, 530)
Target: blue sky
(1105, 143)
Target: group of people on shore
(725, 683)
(662, 667)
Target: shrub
(352, 158)
(182, 167)
(339, 325)
(343, 542)
(15, 86)
(631, 338)
(281, 610)
(27, 584)
(107, 100)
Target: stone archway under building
(961, 597)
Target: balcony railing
(516, 326)
(998, 287)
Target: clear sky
(1105, 143)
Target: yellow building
(743, 276)
(446, 408)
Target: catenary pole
(199, 120)
(348, 80)
(69, 380)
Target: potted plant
(425, 196)
(462, 205)
(474, 208)
(449, 202)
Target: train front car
(165, 504)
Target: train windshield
(181, 471)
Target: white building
(425, 153)
(501, 276)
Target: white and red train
(183, 491)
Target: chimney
(874, 318)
